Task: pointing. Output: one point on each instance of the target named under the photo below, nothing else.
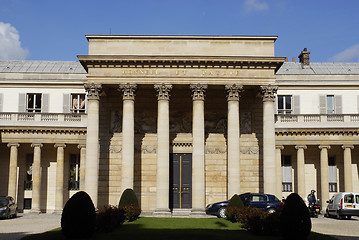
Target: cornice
(323, 132)
(181, 37)
(43, 130)
(229, 62)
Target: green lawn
(173, 228)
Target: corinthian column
(59, 197)
(348, 174)
(198, 168)
(278, 165)
(36, 178)
(128, 135)
(162, 183)
(234, 183)
(324, 173)
(82, 148)
(92, 140)
(301, 170)
(269, 162)
(12, 187)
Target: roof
(295, 68)
(41, 67)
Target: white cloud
(255, 6)
(10, 45)
(348, 55)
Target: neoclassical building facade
(183, 120)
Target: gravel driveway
(16, 228)
(341, 229)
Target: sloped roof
(41, 67)
(295, 68)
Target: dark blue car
(266, 202)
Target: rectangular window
(78, 103)
(287, 174)
(34, 102)
(74, 181)
(28, 167)
(285, 105)
(330, 104)
(332, 175)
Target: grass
(174, 228)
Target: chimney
(304, 57)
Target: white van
(343, 204)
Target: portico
(215, 101)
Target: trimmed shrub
(295, 220)
(129, 204)
(78, 217)
(128, 198)
(109, 218)
(232, 214)
(235, 201)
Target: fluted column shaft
(198, 166)
(348, 174)
(36, 178)
(92, 141)
(163, 152)
(233, 135)
(301, 170)
(278, 165)
(12, 186)
(82, 166)
(324, 173)
(128, 136)
(60, 186)
(269, 161)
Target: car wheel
(222, 212)
(271, 210)
(15, 215)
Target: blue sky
(56, 29)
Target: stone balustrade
(43, 120)
(317, 121)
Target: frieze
(182, 144)
(149, 149)
(249, 150)
(215, 150)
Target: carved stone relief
(215, 123)
(249, 150)
(180, 122)
(246, 123)
(116, 121)
(145, 122)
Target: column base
(198, 213)
(162, 213)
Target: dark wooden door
(181, 180)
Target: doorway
(180, 180)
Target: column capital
(40, 145)
(163, 91)
(324, 147)
(93, 91)
(344, 146)
(300, 147)
(233, 91)
(13, 145)
(268, 92)
(81, 146)
(198, 91)
(280, 147)
(128, 91)
(57, 145)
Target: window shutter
(1, 102)
(286, 174)
(338, 104)
(332, 174)
(22, 102)
(296, 104)
(66, 103)
(45, 103)
(276, 104)
(322, 104)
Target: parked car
(266, 202)
(343, 204)
(8, 207)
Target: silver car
(343, 204)
(8, 207)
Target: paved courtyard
(13, 229)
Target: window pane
(349, 198)
(280, 102)
(330, 104)
(288, 102)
